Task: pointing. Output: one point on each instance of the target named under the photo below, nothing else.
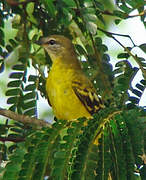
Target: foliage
(110, 146)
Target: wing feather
(87, 96)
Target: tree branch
(106, 12)
(24, 119)
(110, 34)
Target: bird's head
(56, 45)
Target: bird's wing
(87, 95)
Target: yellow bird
(71, 94)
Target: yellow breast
(64, 101)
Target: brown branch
(106, 12)
(110, 34)
(12, 139)
(38, 123)
(136, 15)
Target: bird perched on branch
(71, 94)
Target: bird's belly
(64, 101)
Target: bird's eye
(52, 42)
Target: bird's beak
(40, 41)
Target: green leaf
(30, 104)
(123, 55)
(9, 48)
(13, 92)
(142, 173)
(132, 3)
(99, 5)
(130, 106)
(100, 17)
(30, 95)
(86, 11)
(118, 70)
(3, 129)
(17, 130)
(1, 50)
(19, 67)
(30, 8)
(4, 54)
(143, 47)
(92, 27)
(12, 108)
(125, 8)
(50, 7)
(103, 47)
(16, 75)
(2, 67)
(80, 49)
(117, 21)
(1, 22)
(12, 100)
(143, 81)
(30, 112)
(2, 37)
(14, 83)
(30, 87)
(90, 17)
(122, 80)
(13, 167)
(60, 154)
(98, 41)
(136, 92)
(106, 58)
(89, 49)
(13, 43)
(139, 86)
(67, 17)
(70, 3)
(32, 78)
(134, 100)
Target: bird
(70, 92)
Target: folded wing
(87, 95)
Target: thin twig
(136, 15)
(109, 34)
(134, 56)
(24, 119)
(106, 12)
